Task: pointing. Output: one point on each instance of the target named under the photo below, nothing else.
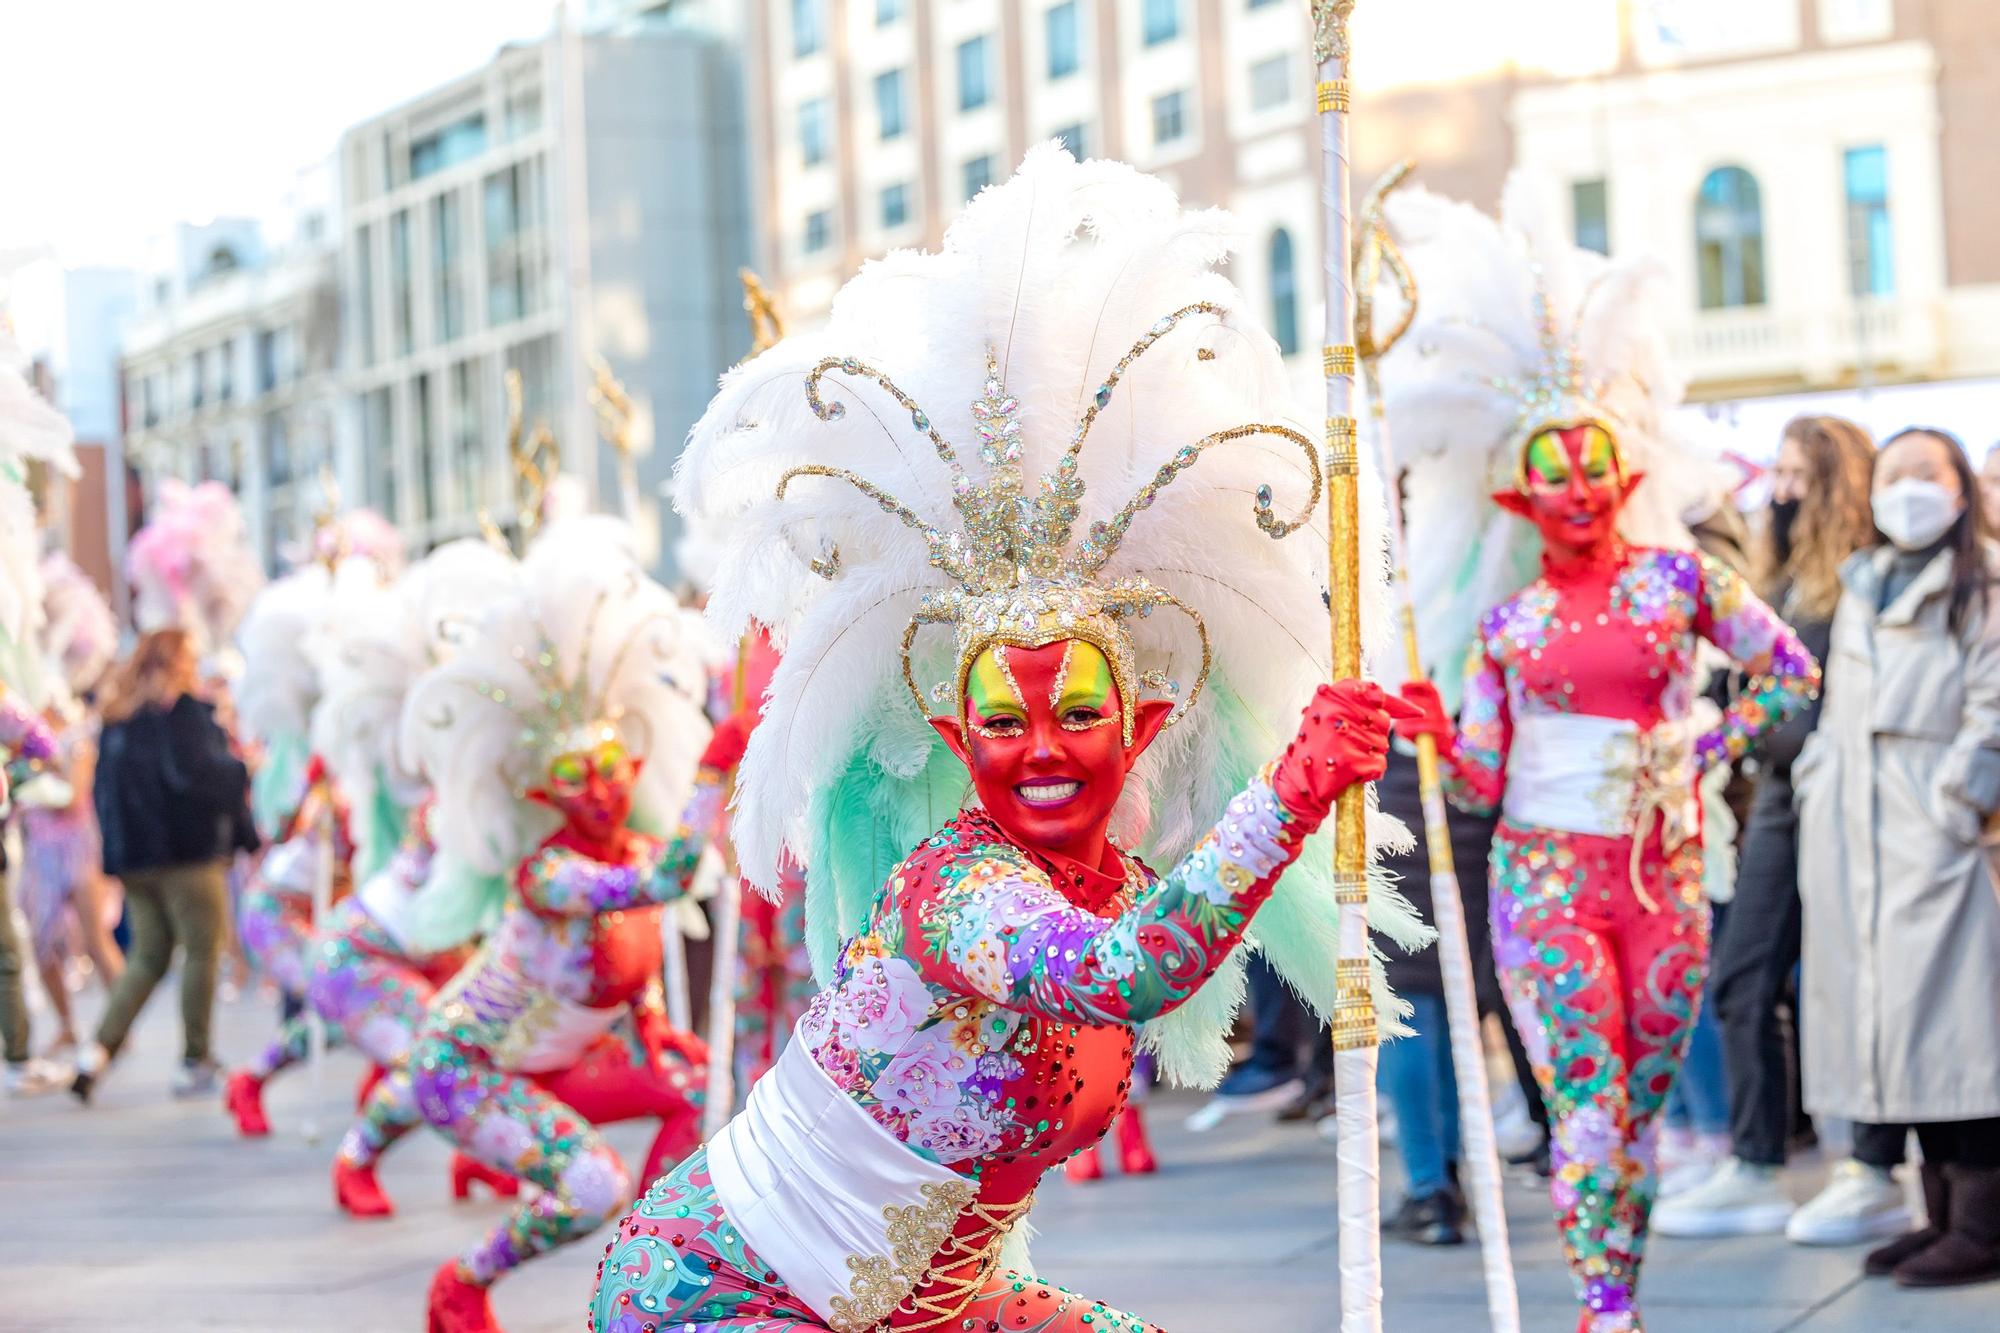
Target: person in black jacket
(170, 800)
(1820, 516)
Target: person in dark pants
(170, 799)
(1820, 516)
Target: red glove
(1431, 720)
(1343, 739)
(731, 739)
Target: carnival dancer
(26, 744)
(986, 991)
(368, 978)
(1538, 371)
(61, 885)
(296, 807)
(569, 717)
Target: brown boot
(1969, 1251)
(1937, 1209)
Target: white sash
(386, 895)
(843, 1210)
(1575, 773)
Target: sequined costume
(1536, 374)
(516, 1061)
(59, 849)
(1602, 941)
(774, 982)
(984, 1017)
(985, 993)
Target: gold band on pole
(1334, 95)
(1340, 360)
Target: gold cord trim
(1334, 95)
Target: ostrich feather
(1059, 273)
(477, 729)
(193, 566)
(79, 633)
(1453, 392)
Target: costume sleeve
(1783, 678)
(991, 924)
(1475, 766)
(22, 734)
(569, 883)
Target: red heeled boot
(357, 1191)
(1135, 1154)
(458, 1305)
(1085, 1166)
(243, 1098)
(468, 1171)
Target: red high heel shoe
(468, 1171)
(243, 1098)
(457, 1305)
(357, 1191)
(1135, 1155)
(1086, 1166)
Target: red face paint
(592, 791)
(1044, 743)
(1574, 487)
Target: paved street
(142, 1213)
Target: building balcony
(1772, 349)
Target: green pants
(13, 1004)
(185, 907)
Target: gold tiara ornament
(1018, 576)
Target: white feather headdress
(914, 464)
(374, 642)
(1517, 329)
(31, 431)
(584, 641)
(193, 566)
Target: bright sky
(119, 118)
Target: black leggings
(1973, 1143)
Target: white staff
(1378, 252)
(1354, 1030)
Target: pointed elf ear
(1632, 483)
(1152, 715)
(954, 737)
(1514, 503)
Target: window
(1271, 83)
(812, 130)
(447, 240)
(400, 306)
(513, 275)
(889, 103)
(1589, 206)
(888, 11)
(364, 292)
(225, 366)
(974, 60)
(1729, 240)
(1160, 21)
(1729, 237)
(267, 361)
(1870, 257)
(197, 380)
(1284, 293)
(468, 440)
(819, 231)
(381, 453)
(1065, 52)
(1169, 117)
(523, 113)
(807, 23)
(455, 143)
(426, 459)
(978, 174)
(1072, 139)
(277, 451)
(895, 206)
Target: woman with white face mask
(1897, 794)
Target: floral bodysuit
(1602, 937)
(985, 1016)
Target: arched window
(1729, 239)
(1284, 293)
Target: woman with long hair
(1819, 517)
(1899, 805)
(168, 794)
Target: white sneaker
(1860, 1203)
(1692, 1164)
(33, 1078)
(1737, 1199)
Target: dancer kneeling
(987, 992)
(574, 704)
